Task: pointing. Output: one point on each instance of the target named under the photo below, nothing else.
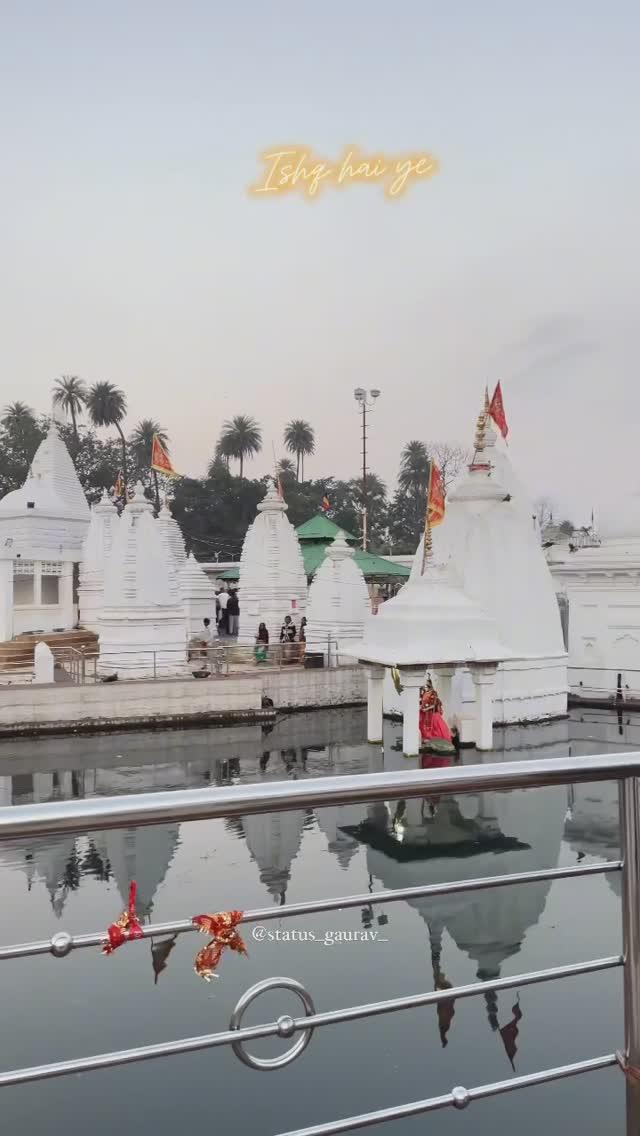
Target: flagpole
(427, 545)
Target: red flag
(435, 498)
(326, 504)
(496, 411)
(160, 460)
(509, 1033)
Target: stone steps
(16, 655)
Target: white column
(375, 688)
(443, 680)
(411, 680)
(484, 677)
(65, 597)
(43, 663)
(6, 600)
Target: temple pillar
(6, 600)
(443, 681)
(375, 688)
(411, 679)
(484, 677)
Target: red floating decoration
(126, 927)
(222, 926)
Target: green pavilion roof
(314, 536)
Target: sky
(131, 250)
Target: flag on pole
(434, 512)
(160, 460)
(496, 411)
(326, 504)
(118, 489)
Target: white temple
(142, 626)
(95, 554)
(42, 529)
(338, 602)
(272, 579)
(493, 554)
(197, 596)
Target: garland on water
(221, 926)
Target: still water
(148, 992)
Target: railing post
(629, 791)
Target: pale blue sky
(130, 250)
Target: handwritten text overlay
(297, 169)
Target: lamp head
(359, 394)
(375, 393)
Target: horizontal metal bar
(298, 1025)
(457, 1098)
(433, 997)
(59, 817)
(365, 899)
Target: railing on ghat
(31, 821)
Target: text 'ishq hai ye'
(297, 169)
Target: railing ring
(285, 1024)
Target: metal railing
(56, 818)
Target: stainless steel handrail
(62, 943)
(287, 1027)
(161, 808)
(57, 817)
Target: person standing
(223, 600)
(233, 613)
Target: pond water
(89, 1003)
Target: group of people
(227, 615)
(288, 637)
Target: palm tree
(70, 393)
(286, 466)
(141, 446)
(16, 416)
(107, 406)
(241, 438)
(414, 469)
(299, 439)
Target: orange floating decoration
(222, 926)
(126, 927)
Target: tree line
(214, 511)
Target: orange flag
(160, 460)
(435, 497)
(496, 411)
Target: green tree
(70, 393)
(241, 438)
(299, 439)
(107, 406)
(414, 469)
(140, 449)
(20, 436)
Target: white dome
(430, 621)
(272, 580)
(35, 498)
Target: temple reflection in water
(400, 844)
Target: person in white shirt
(223, 600)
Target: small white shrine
(42, 529)
(431, 624)
(171, 537)
(96, 551)
(142, 627)
(338, 602)
(197, 596)
(272, 580)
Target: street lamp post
(365, 400)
